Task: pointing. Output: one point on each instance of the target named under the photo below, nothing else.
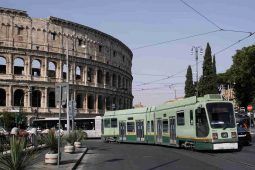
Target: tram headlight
(215, 135)
(233, 135)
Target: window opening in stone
(64, 75)
(119, 82)
(114, 80)
(100, 48)
(2, 97)
(53, 35)
(36, 68)
(19, 97)
(19, 66)
(51, 70)
(78, 73)
(20, 30)
(51, 102)
(99, 76)
(90, 75)
(108, 103)
(79, 101)
(2, 65)
(100, 102)
(90, 102)
(36, 98)
(107, 79)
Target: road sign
(249, 108)
(61, 90)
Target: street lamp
(196, 49)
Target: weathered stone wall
(99, 65)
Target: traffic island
(68, 161)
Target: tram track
(229, 159)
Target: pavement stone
(68, 160)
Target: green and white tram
(204, 123)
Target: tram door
(122, 130)
(139, 130)
(159, 130)
(172, 130)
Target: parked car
(244, 136)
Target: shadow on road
(167, 163)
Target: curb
(79, 160)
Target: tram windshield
(221, 115)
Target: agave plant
(19, 158)
(51, 141)
(71, 138)
(81, 135)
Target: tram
(204, 123)
(92, 126)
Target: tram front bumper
(223, 146)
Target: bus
(92, 126)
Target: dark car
(244, 136)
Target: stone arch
(2, 97)
(119, 81)
(79, 101)
(36, 98)
(107, 78)
(64, 71)
(52, 69)
(19, 66)
(51, 99)
(114, 80)
(99, 76)
(19, 97)
(2, 65)
(100, 102)
(91, 101)
(36, 68)
(78, 71)
(108, 103)
(90, 74)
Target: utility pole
(67, 98)
(196, 49)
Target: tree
(208, 81)
(189, 86)
(242, 71)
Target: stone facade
(33, 57)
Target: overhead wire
(220, 51)
(177, 39)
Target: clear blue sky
(138, 23)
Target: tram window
(191, 117)
(165, 126)
(152, 126)
(130, 126)
(180, 119)
(107, 123)
(202, 127)
(114, 122)
(148, 126)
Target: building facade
(33, 58)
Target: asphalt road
(113, 156)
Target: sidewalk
(68, 161)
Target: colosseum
(33, 58)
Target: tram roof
(129, 111)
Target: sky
(139, 23)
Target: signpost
(73, 110)
(61, 90)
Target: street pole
(67, 98)
(196, 48)
(59, 122)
